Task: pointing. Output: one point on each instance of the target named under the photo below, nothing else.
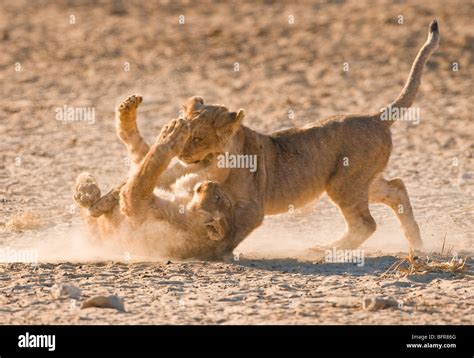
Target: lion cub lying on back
(203, 213)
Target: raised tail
(408, 94)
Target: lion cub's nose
(205, 187)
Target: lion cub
(202, 214)
(343, 155)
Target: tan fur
(344, 155)
(204, 213)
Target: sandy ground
(79, 54)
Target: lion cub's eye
(197, 139)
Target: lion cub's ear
(231, 123)
(193, 105)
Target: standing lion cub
(343, 155)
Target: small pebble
(112, 301)
(378, 303)
(65, 290)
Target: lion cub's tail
(407, 96)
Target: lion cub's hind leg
(86, 191)
(350, 192)
(127, 129)
(86, 194)
(359, 224)
(101, 214)
(394, 194)
(106, 203)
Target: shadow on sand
(372, 266)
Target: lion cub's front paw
(174, 135)
(87, 191)
(127, 109)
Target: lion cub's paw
(86, 191)
(174, 135)
(128, 105)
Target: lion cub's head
(212, 127)
(214, 208)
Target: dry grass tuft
(413, 265)
(27, 220)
